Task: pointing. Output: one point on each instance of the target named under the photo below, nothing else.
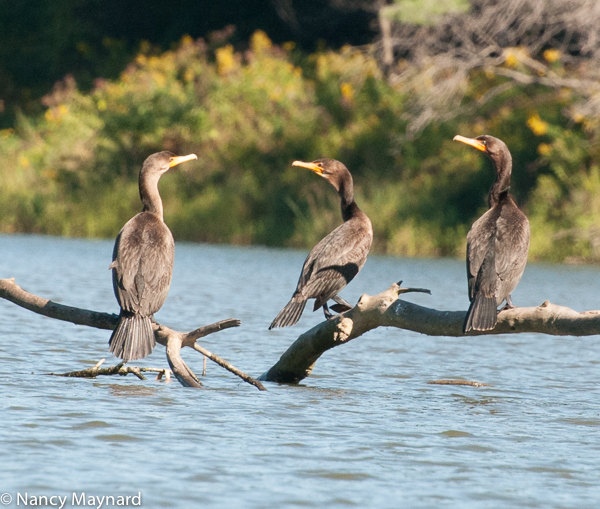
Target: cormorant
(338, 257)
(143, 264)
(497, 243)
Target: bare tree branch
(384, 309)
(509, 38)
(387, 310)
(227, 366)
(120, 369)
(10, 291)
(173, 340)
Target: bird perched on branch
(143, 264)
(338, 257)
(497, 244)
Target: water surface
(365, 430)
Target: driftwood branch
(119, 369)
(167, 337)
(387, 310)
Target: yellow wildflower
(159, 78)
(186, 40)
(56, 114)
(537, 125)
(225, 59)
(551, 55)
(259, 42)
(347, 91)
(510, 57)
(544, 149)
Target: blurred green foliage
(43, 40)
(423, 12)
(248, 115)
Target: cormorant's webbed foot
(328, 314)
(509, 304)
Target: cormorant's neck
(503, 165)
(149, 193)
(350, 210)
(348, 205)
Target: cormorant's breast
(143, 264)
(505, 230)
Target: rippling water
(365, 430)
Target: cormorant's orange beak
(311, 166)
(479, 145)
(181, 159)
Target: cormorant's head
(486, 143)
(493, 147)
(330, 169)
(161, 162)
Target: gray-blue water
(365, 430)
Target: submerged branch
(167, 337)
(228, 367)
(458, 382)
(119, 369)
(387, 310)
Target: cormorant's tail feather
(133, 337)
(290, 314)
(482, 314)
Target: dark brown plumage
(497, 244)
(338, 257)
(143, 264)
